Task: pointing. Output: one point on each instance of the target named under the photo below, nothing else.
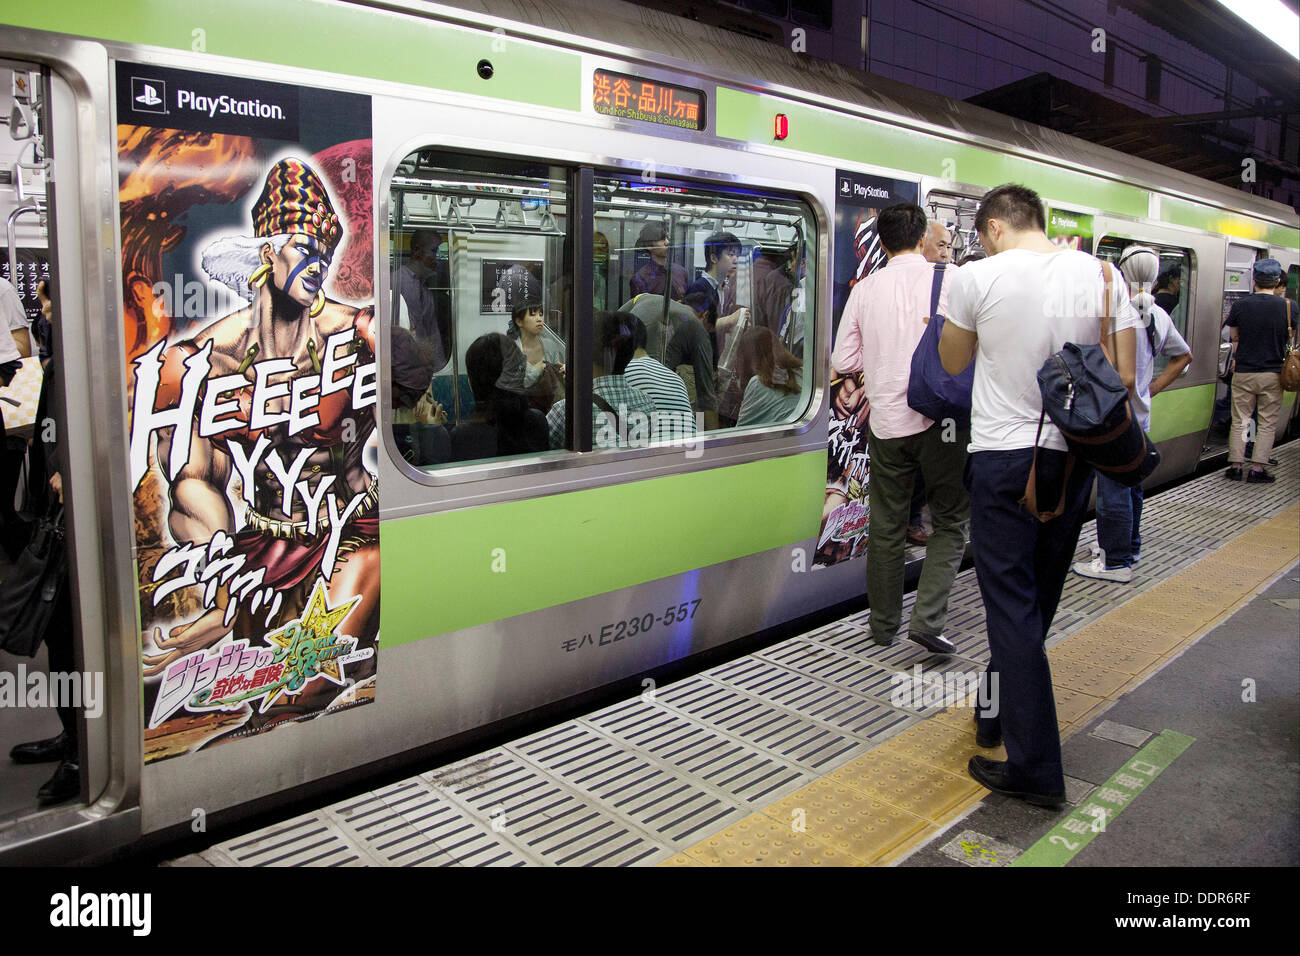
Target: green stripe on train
(748, 116)
(1180, 411)
(1197, 215)
(438, 570)
(317, 35)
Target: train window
(479, 315)
(1173, 286)
(708, 285)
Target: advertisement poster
(247, 265)
(845, 514)
(1070, 230)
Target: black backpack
(1086, 399)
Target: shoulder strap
(1104, 340)
(936, 285)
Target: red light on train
(781, 128)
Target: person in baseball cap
(1260, 325)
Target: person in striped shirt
(627, 416)
(674, 418)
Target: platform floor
(796, 755)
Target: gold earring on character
(258, 278)
(318, 305)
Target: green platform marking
(1067, 838)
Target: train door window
(957, 213)
(724, 347)
(1292, 282)
(480, 317)
(1173, 285)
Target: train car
(348, 472)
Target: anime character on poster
(292, 415)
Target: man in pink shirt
(882, 324)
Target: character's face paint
(299, 268)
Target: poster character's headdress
(294, 200)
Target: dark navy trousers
(1021, 564)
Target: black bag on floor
(34, 586)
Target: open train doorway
(45, 694)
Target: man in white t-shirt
(1011, 312)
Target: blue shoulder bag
(930, 390)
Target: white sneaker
(1096, 568)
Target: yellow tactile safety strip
(878, 807)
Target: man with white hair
(938, 242)
(1119, 508)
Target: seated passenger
(676, 340)
(544, 350)
(674, 417)
(502, 423)
(621, 416)
(772, 375)
(650, 277)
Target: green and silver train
(309, 256)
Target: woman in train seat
(543, 349)
(773, 379)
(503, 422)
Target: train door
(42, 693)
(62, 699)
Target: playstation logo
(149, 96)
(844, 186)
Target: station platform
(1178, 698)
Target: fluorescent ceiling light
(1271, 18)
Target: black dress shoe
(934, 643)
(993, 774)
(987, 741)
(64, 785)
(41, 751)
(1233, 473)
(1259, 478)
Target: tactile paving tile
(1154, 634)
(920, 789)
(935, 744)
(1087, 678)
(758, 840)
(1096, 651)
(1072, 705)
(846, 819)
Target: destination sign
(649, 101)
